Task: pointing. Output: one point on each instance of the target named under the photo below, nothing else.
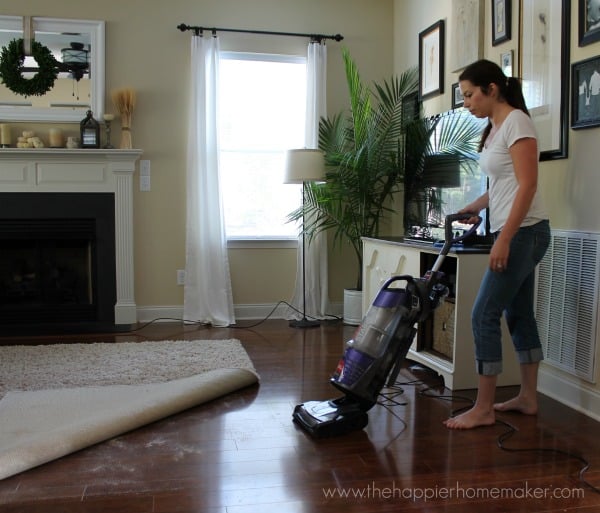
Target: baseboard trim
(173, 313)
(569, 392)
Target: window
(262, 102)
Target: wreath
(11, 69)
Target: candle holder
(5, 136)
(107, 121)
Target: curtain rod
(314, 37)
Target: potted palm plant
(370, 153)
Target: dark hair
(481, 74)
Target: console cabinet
(450, 325)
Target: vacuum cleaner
(374, 356)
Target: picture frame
(544, 49)
(501, 21)
(467, 40)
(589, 22)
(411, 107)
(458, 99)
(585, 105)
(506, 63)
(431, 60)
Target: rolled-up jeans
(510, 292)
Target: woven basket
(443, 329)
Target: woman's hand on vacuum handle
(469, 210)
(474, 208)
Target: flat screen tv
(447, 183)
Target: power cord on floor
(503, 436)
(512, 430)
(331, 317)
(335, 318)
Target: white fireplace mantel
(84, 170)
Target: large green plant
(370, 152)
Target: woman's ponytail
(514, 94)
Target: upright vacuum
(373, 358)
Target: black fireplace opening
(57, 262)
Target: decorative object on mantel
(72, 143)
(11, 68)
(107, 120)
(5, 136)
(124, 100)
(29, 140)
(90, 131)
(56, 138)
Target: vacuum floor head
(330, 418)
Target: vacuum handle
(391, 280)
(459, 217)
(450, 239)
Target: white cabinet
(384, 258)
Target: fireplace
(66, 240)
(57, 262)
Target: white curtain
(207, 292)
(317, 291)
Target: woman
(509, 156)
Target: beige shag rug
(60, 398)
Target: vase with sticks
(124, 101)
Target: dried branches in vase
(124, 100)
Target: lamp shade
(304, 165)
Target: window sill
(262, 243)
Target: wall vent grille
(567, 302)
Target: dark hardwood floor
(243, 454)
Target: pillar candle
(5, 139)
(56, 138)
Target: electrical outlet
(180, 277)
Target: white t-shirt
(496, 163)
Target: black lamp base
(304, 323)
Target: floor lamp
(302, 166)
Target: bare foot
(471, 419)
(520, 404)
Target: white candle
(108, 117)
(5, 139)
(56, 138)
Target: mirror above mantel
(69, 99)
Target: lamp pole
(304, 322)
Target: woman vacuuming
(509, 157)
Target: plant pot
(352, 307)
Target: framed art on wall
(501, 21)
(506, 63)
(458, 99)
(585, 93)
(589, 21)
(544, 35)
(467, 35)
(431, 60)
